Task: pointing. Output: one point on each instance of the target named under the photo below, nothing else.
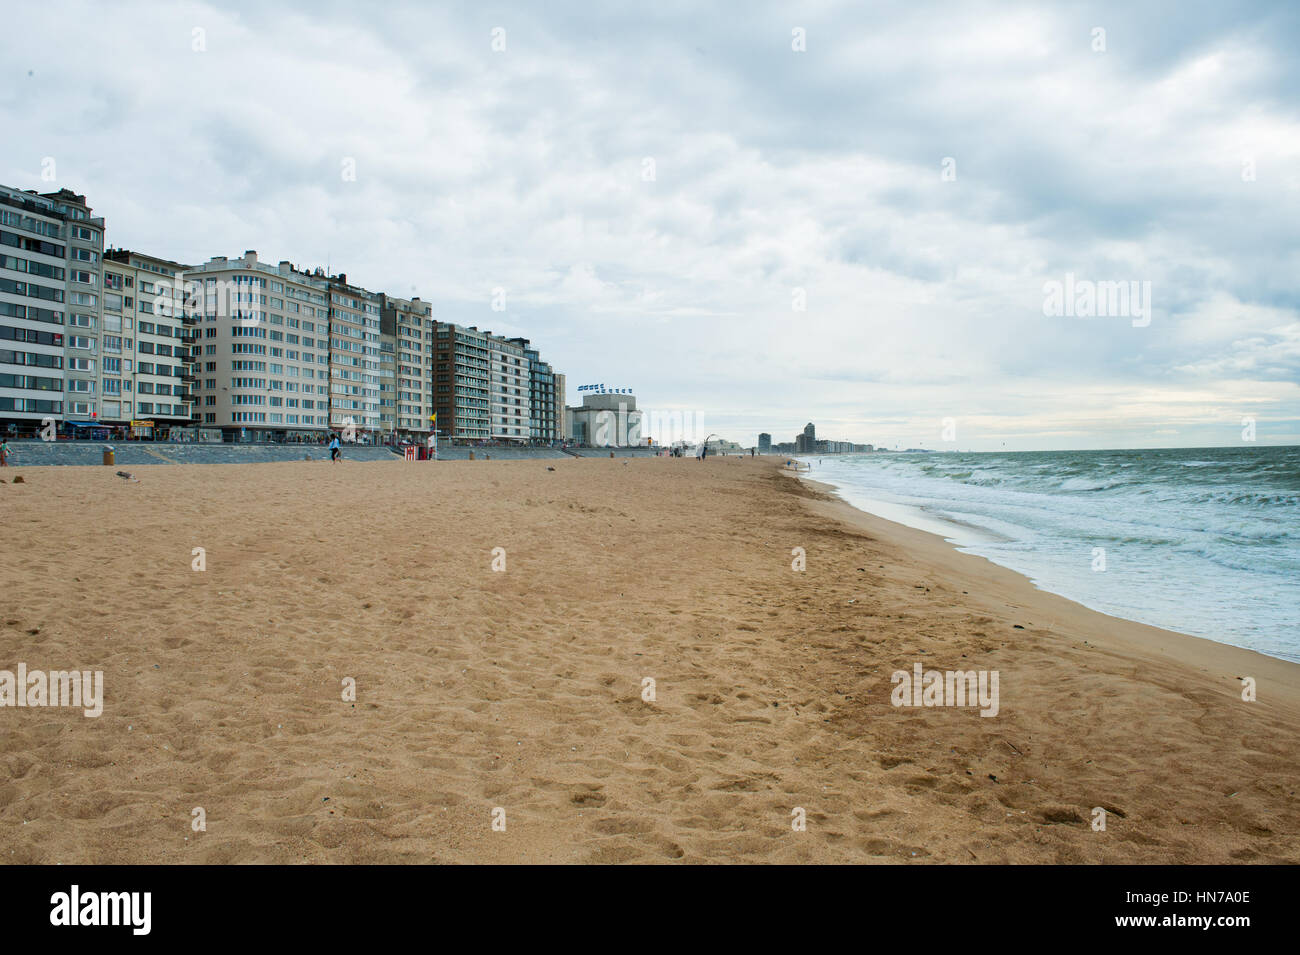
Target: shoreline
(524, 689)
(1119, 633)
(1206, 610)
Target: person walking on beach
(334, 447)
(4, 453)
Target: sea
(1203, 541)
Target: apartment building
(354, 359)
(387, 385)
(261, 348)
(462, 382)
(36, 265)
(85, 283)
(144, 349)
(561, 419)
(508, 386)
(541, 397)
(117, 361)
(161, 347)
(410, 323)
(144, 345)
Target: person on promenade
(334, 447)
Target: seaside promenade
(132, 453)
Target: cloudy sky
(659, 191)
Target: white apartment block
(261, 340)
(143, 346)
(508, 386)
(354, 359)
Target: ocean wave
(1202, 542)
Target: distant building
(561, 417)
(606, 421)
(764, 443)
(806, 443)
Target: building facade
(541, 397)
(509, 383)
(95, 338)
(561, 417)
(806, 442)
(354, 360)
(146, 381)
(37, 258)
(85, 284)
(261, 349)
(462, 382)
(606, 421)
(410, 322)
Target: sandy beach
(522, 689)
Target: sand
(521, 690)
